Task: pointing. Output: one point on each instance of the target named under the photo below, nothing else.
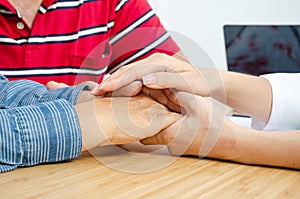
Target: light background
(203, 21)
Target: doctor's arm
(271, 99)
(205, 131)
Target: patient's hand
(122, 120)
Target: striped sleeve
(26, 92)
(42, 133)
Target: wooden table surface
(109, 173)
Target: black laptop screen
(262, 49)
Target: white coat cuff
(285, 113)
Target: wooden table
(100, 176)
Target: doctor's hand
(160, 71)
(205, 131)
(198, 132)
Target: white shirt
(285, 113)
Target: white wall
(202, 21)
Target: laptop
(262, 49)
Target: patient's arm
(121, 120)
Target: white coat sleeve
(285, 113)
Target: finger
(150, 59)
(129, 90)
(161, 118)
(176, 137)
(171, 96)
(165, 137)
(169, 118)
(51, 85)
(98, 91)
(160, 96)
(189, 102)
(125, 68)
(157, 62)
(133, 74)
(163, 80)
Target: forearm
(248, 94)
(46, 132)
(280, 148)
(91, 133)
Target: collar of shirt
(5, 5)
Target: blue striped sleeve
(26, 92)
(41, 133)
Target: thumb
(164, 137)
(170, 137)
(168, 133)
(170, 118)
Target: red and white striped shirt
(78, 40)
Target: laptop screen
(261, 49)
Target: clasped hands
(158, 100)
(188, 94)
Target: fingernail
(149, 79)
